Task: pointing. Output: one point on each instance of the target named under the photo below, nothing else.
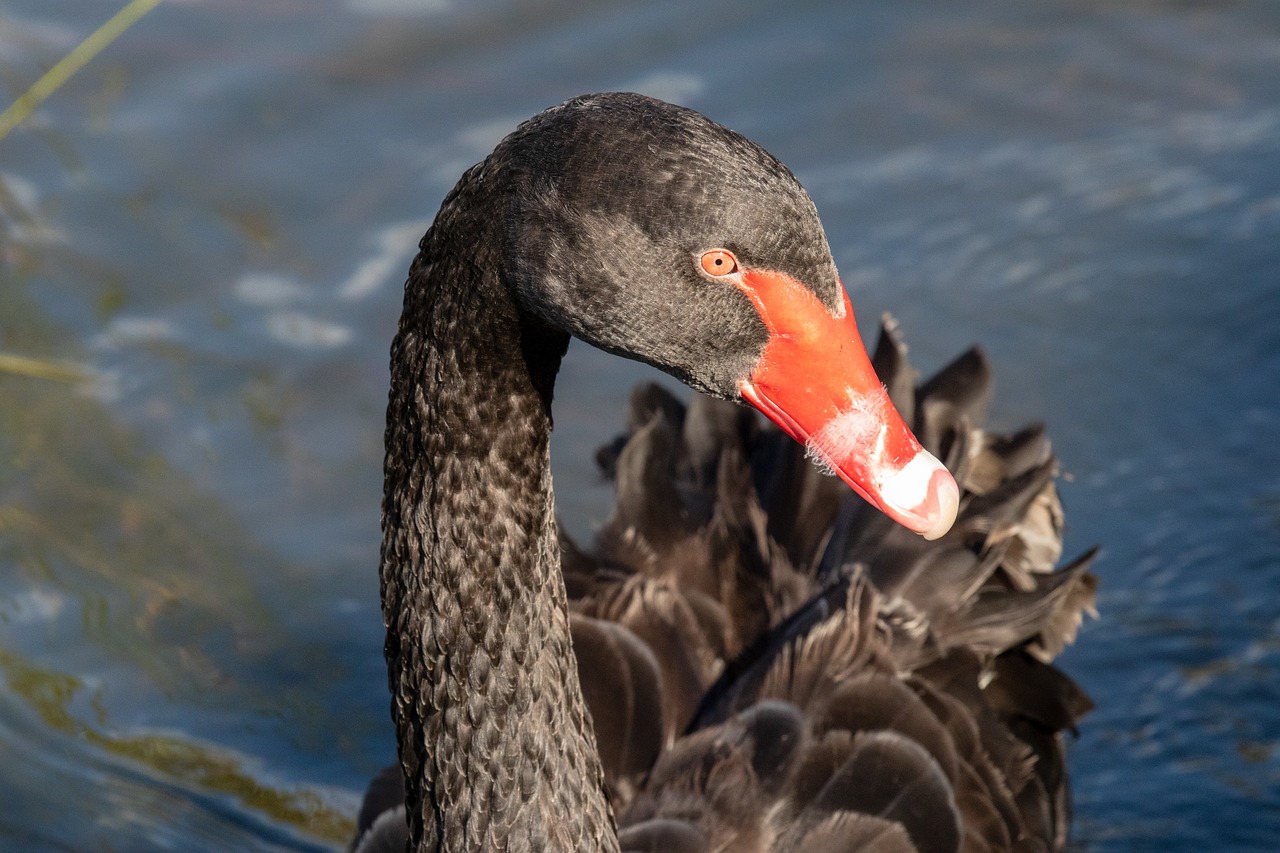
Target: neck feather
(494, 738)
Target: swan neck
(493, 735)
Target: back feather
(772, 665)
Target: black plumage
(766, 663)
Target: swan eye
(718, 262)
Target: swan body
(763, 660)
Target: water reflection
(129, 607)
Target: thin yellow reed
(26, 104)
(36, 368)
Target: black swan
(763, 661)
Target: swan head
(651, 232)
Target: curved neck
(494, 738)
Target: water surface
(212, 223)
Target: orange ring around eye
(718, 262)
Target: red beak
(816, 382)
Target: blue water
(212, 223)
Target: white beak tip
(923, 496)
(948, 505)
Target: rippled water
(212, 223)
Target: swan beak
(815, 381)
